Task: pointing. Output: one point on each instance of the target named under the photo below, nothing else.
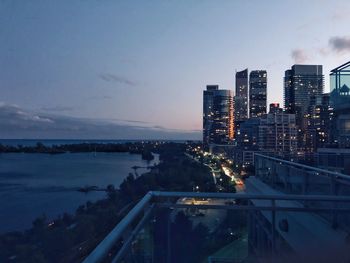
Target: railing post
(334, 192)
(305, 181)
(129, 236)
(168, 254)
(125, 236)
(103, 248)
(287, 180)
(274, 174)
(273, 211)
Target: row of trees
(144, 148)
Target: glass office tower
(319, 122)
(218, 116)
(301, 82)
(257, 93)
(340, 100)
(241, 97)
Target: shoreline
(79, 193)
(92, 221)
(143, 148)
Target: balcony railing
(119, 244)
(294, 178)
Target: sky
(137, 69)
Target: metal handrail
(335, 174)
(277, 207)
(102, 250)
(290, 197)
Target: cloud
(58, 108)
(158, 127)
(108, 77)
(339, 44)
(127, 61)
(12, 114)
(299, 55)
(339, 15)
(124, 120)
(323, 51)
(18, 123)
(103, 97)
(303, 26)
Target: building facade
(208, 111)
(275, 108)
(334, 159)
(278, 134)
(340, 101)
(247, 142)
(257, 93)
(320, 120)
(273, 134)
(301, 82)
(241, 96)
(218, 116)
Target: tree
(112, 192)
(40, 222)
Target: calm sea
(36, 184)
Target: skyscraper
(273, 133)
(208, 111)
(257, 93)
(277, 133)
(300, 83)
(319, 122)
(241, 97)
(340, 101)
(218, 116)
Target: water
(36, 184)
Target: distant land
(50, 142)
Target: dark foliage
(70, 238)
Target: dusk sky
(137, 69)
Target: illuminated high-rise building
(208, 111)
(241, 96)
(301, 82)
(319, 122)
(277, 133)
(218, 116)
(257, 93)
